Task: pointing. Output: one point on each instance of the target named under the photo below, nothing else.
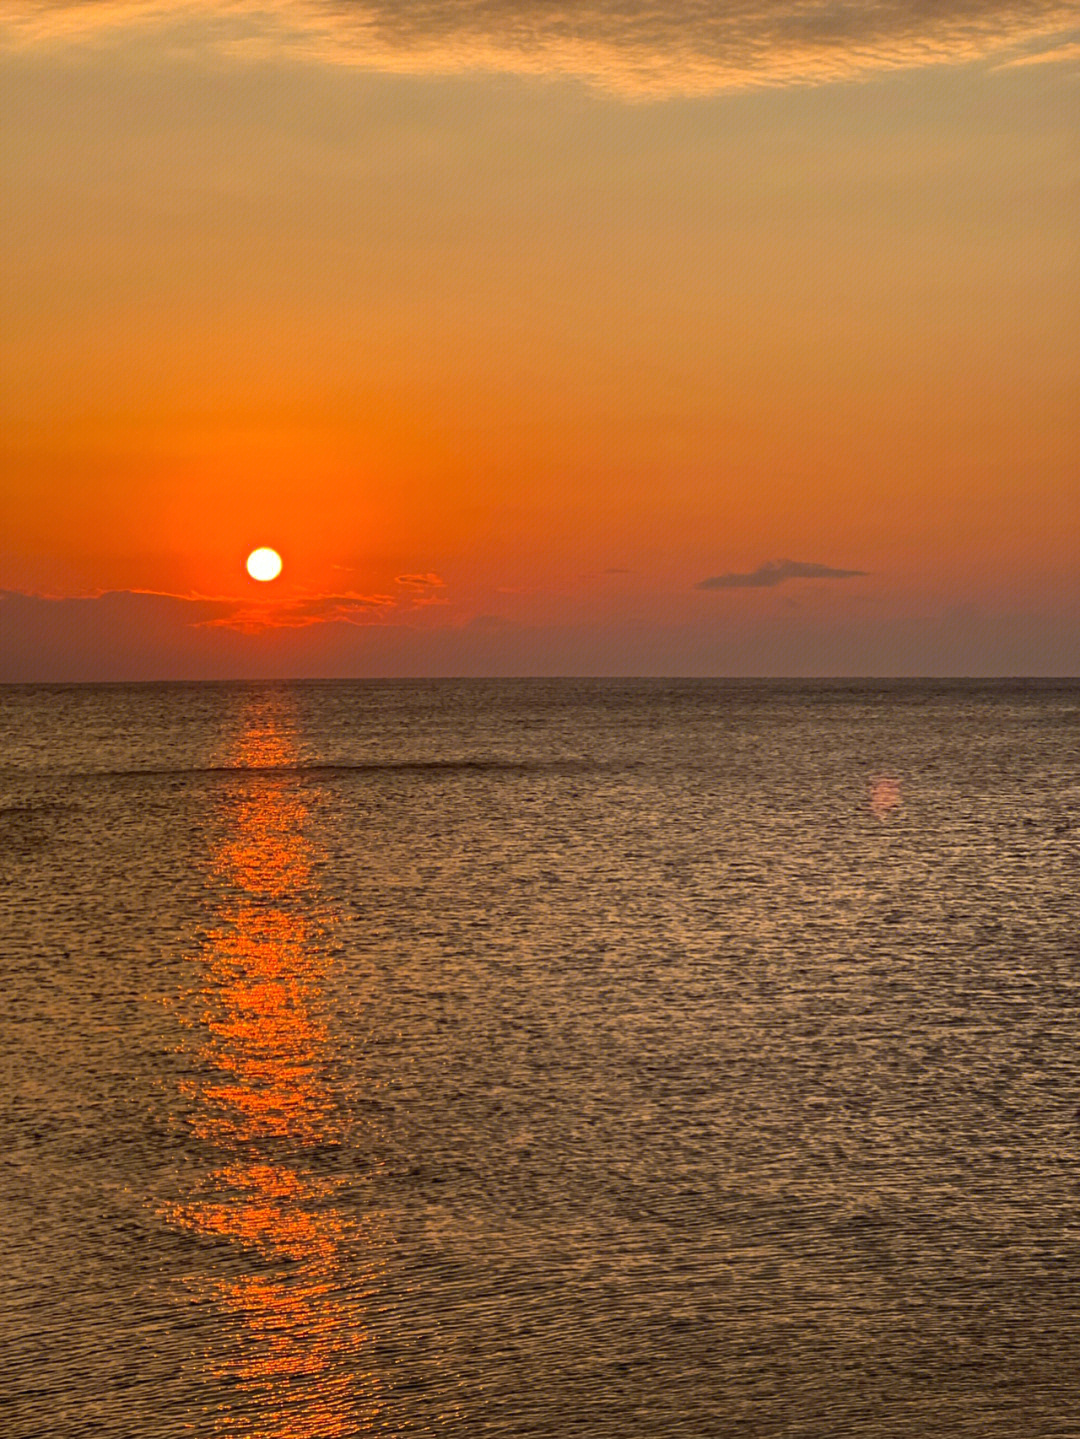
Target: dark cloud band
(775, 572)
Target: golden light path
(292, 1342)
(264, 564)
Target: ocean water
(540, 1059)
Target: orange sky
(565, 325)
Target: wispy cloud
(348, 609)
(663, 47)
(423, 590)
(143, 633)
(422, 582)
(1057, 56)
(198, 612)
(775, 572)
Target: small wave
(33, 810)
(331, 769)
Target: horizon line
(557, 678)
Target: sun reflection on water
(885, 797)
(292, 1354)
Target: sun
(264, 564)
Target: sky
(539, 338)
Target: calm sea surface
(540, 1059)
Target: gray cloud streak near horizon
(668, 46)
(775, 572)
(202, 612)
(133, 636)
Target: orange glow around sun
(264, 564)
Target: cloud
(119, 618)
(132, 634)
(1058, 56)
(348, 609)
(666, 46)
(775, 572)
(422, 582)
(423, 590)
(128, 635)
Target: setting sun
(264, 564)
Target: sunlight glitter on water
(294, 1333)
(526, 1060)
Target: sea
(535, 1059)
